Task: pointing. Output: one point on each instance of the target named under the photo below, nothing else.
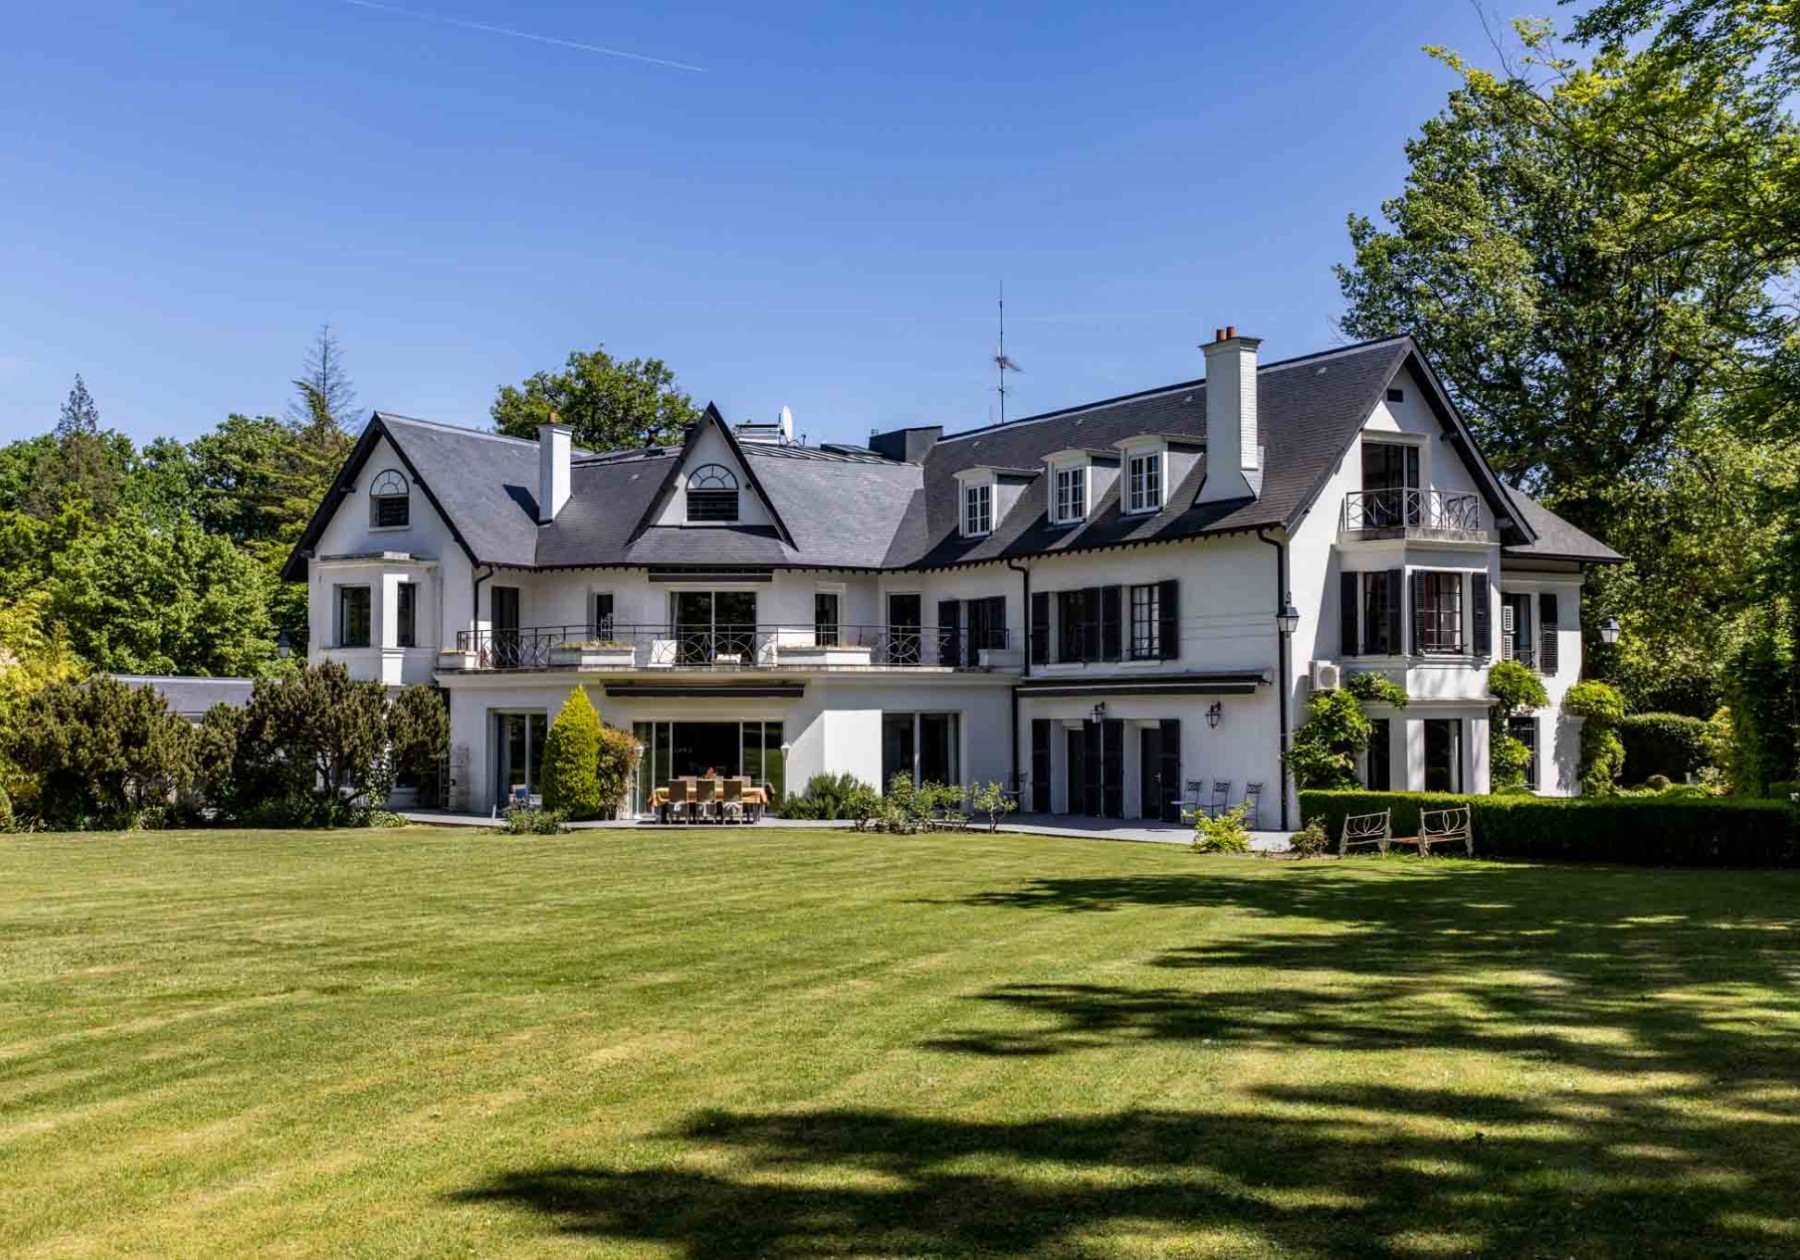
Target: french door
(905, 615)
(708, 625)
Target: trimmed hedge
(1670, 744)
(1642, 831)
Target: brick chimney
(1233, 440)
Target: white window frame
(1137, 499)
(977, 509)
(1070, 508)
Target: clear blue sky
(818, 216)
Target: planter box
(593, 657)
(803, 655)
(451, 659)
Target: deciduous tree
(609, 404)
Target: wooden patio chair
(706, 798)
(1365, 829)
(731, 799)
(1446, 826)
(681, 800)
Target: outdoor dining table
(755, 800)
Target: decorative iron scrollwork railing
(720, 646)
(1401, 509)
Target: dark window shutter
(1547, 626)
(1168, 625)
(1040, 627)
(1092, 771)
(1111, 642)
(1112, 768)
(949, 633)
(1171, 770)
(1484, 622)
(1396, 611)
(1418, 613)
(1040, 763)
(1347, 601)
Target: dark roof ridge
(1197, 383)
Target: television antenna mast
(1002, 363)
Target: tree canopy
(609, 404)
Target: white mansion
(1099, 605)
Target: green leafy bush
(1372, 687)
(1666, 830)
(1310, 841)
(525, 820)
(826, 796)
(418, 723)
(314, 732)
(1601, 709)
(992, 800)
(1671, 745)
(100, 752)
(863, 806)
(1224, 834)
(570, 783)
(1515, 689)
(613, 768)
(1324, 749)
(1785, 790)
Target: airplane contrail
(540, 39)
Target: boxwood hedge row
(1646, 831)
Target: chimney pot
(1230, 332)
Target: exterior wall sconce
(1609, 631)
(1288, 619)
(1216, 714)
(1100, 712)
(284, 645)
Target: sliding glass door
(518, 755)
(680, 749)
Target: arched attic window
(389, 501)
(712, 494)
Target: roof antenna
(1001, 363)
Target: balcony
(1405, 513)
(729, 648)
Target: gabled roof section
(710, 419)
(482, 485)
(1553, 537)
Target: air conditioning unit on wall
(1324, 675)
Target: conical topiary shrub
(571, 758)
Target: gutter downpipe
(1025, 672)
(475, 582)
(1281, 656)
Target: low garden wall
(1644, 831)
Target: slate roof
(844, 507)
(191, 696)
(1556, 538)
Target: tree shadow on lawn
(1325, 1170)
(1668, 985)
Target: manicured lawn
(812, 1044)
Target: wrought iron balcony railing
(767, 647)
(1395, 512)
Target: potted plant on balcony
(594, 654)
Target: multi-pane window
(1146, 623)
(712, 494)
(1381, 594)
(389, 503)
(406, 620)
(1143, 482)
(353, 616)
(978, 509)
(825, 618)
(1441, 614)
(1070, 503)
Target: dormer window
(978, 509)
(1143, 481)
(390, 504)
(1068, 495)
(712, 495)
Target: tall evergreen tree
(83, 462)
(325, 399)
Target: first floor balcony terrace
(719, 646)
(1398, 512)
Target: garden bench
(1367, 829)
(1446, 826)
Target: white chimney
(553, 471)
(1233, 441)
